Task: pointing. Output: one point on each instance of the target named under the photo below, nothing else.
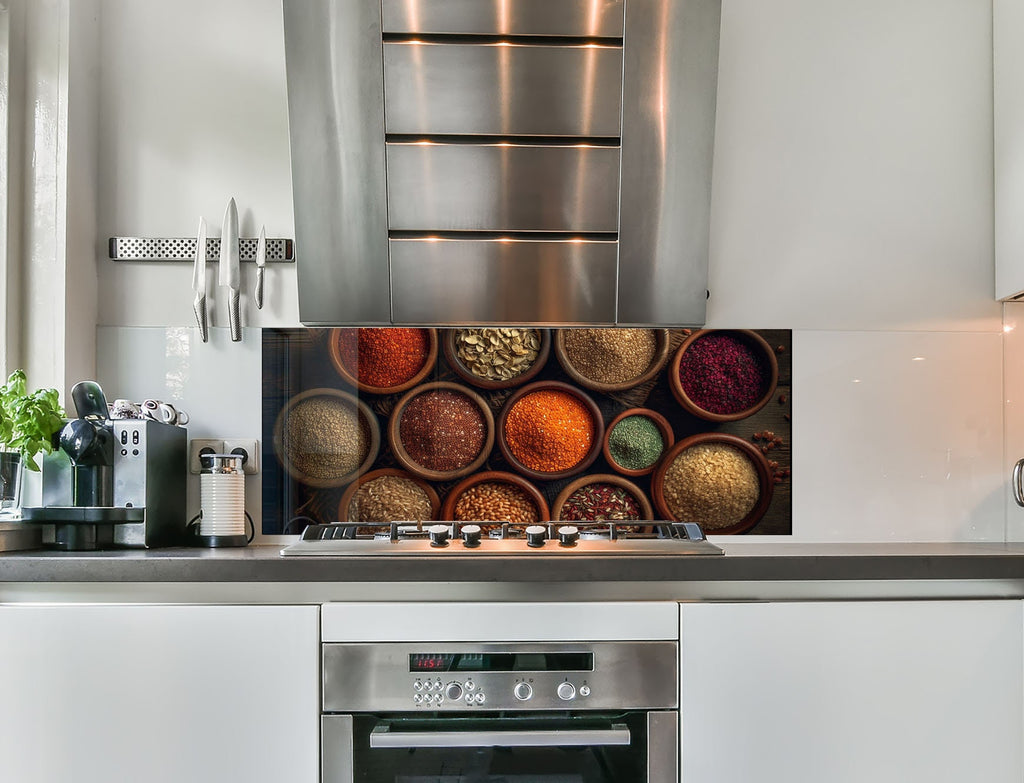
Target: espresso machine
(112, 482)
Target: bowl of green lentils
(496, 358)
(326, 437)
(635, 440)
(612, 359)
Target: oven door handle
(383, 737)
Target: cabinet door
(162, 694)
(900, 692)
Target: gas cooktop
(635, 538)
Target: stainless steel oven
(516, 712)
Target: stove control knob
(471, 535)
(438, 535)
(536, 535)
(584, 690)
(568, 535)
(453, 692)
(566, 691)
(522, 691)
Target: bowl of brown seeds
(389, 495)
(326, 437)
(496, 358)
(720, 481)
(601, 497)
(611, 359)
(441, 431)
(495, 496)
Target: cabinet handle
(1018, 487)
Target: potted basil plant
(28, 423)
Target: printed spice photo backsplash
(495, 424)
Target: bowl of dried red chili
(635, 440)
(720, 481)
(550, 430)
(326, 437)
(441, 431)
(611, 359)
(495, 496)
(601, 497)
(723, 374)
(383, 360)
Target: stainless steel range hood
(501, 161)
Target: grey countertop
(743, 562)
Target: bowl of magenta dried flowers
(723, 374)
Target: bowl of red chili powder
(550, 430)
(383, 360)
(441, 431)
(723, 374)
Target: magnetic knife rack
(279, 251)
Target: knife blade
(199, 281)
(261, 262)
(229, 272)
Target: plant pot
(11, 470)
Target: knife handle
(234, 317)
(199, 306)
(258, 294)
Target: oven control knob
(566, 691)
(584, 690)
(471, 535)
(535, 535)
(453, 692)
(522, 691)
(568, 535)
(438, 535)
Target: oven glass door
(605, 748)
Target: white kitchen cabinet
(849, 692)
(161, 694)
(1008, 134)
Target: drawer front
(596, 18)
(498, 187)
(502, 89)
(503, 281)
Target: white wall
(852, 203)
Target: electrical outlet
(199, 446)
(250, 448)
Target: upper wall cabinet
(489, 161)
(1008, 106)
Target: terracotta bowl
(346, 499)
(754, 341)
(659, 421)
(367, 416)
(646, 512)
(579, 467)
(399, 450)
(757, 459)
(661, 349)
(460, 369)
(500, 477)
(334, 351)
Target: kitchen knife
(261, 262)
(229, 274)
(199, 281)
